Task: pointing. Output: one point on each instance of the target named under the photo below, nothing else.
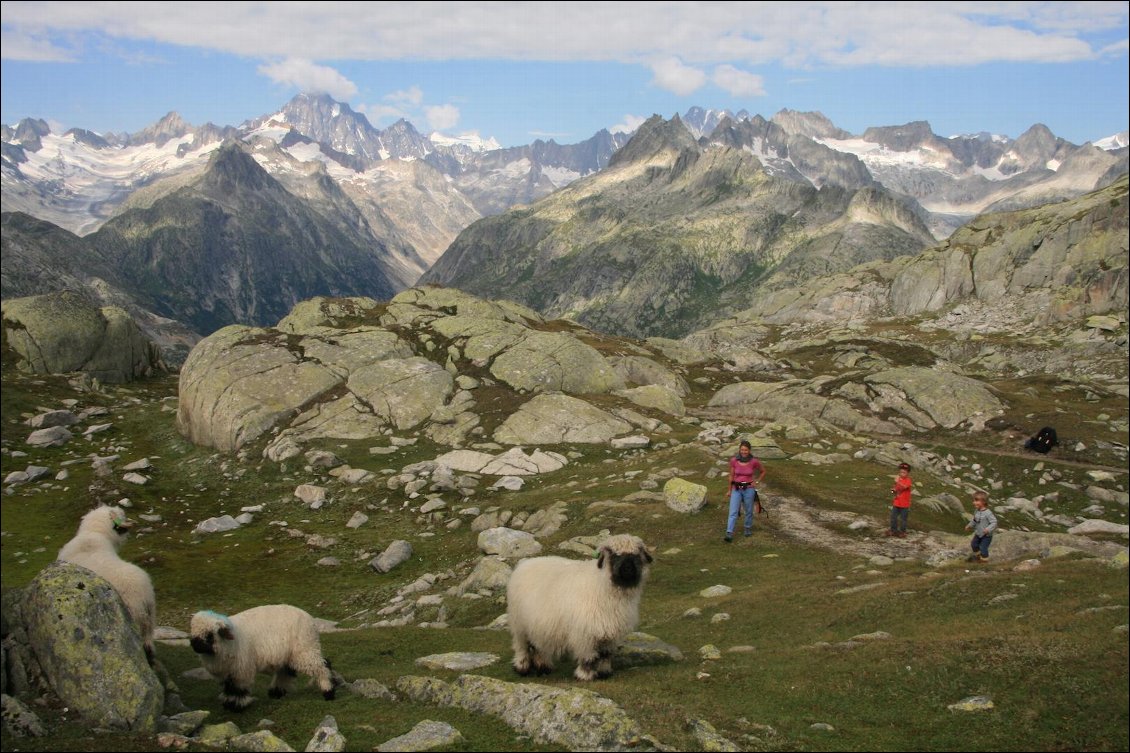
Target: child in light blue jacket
(984, 525)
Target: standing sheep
(277, 638)
(95, 547)
(580, 607)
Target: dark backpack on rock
(1044, 440)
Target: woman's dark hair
(745, 443)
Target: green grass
(1056, 673)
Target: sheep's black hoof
(330, 694)
(603, 675)
(545, 669)
(276, 692)
(522, 670)
(235, 705)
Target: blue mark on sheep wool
(222, 617)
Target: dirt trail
(797, 519)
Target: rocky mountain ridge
(670, 235)
(230, 245)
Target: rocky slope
(1028, 268)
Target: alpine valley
(691, 219)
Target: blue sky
(520, 71)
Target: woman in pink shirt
(746, 473)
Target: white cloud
(382, 113)
(737, 82)
(672, 75)
(1118, 49)
(798, 34)
(441, 117)
(310, 77)
(629, 124)
(33, 49)
(412, 96)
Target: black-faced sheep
(95, 547)
(276, 638)
(580, 607)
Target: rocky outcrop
(352, 368)
(240, 382)
(553, 419)
(58, 333)
(886, 401)
(643, 371)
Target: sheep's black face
(627, 570)
(204, 645)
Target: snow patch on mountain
(878, 156)
(560, 176)
(471, 140)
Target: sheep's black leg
(604, 660)
(235, 698)
(586, 669)
(538, 662)
(530, 661)
(283, 681)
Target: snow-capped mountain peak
(1117, 141)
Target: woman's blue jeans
(741, 499)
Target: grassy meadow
(1048, 646)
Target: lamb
(276, 638)
(95, 547)
(580, 607)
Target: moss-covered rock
(426, 735)
(656, 396)
(947, 399)
(89, 649)
(684, 496)
(555, 361)
(575, 719)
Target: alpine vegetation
(95, 547)
(276, 638)
(580, 607)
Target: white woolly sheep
(276, 638)
(580, 607)
(95, 547)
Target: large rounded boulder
(59, 333)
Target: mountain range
(197, 227)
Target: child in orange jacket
(900, 507)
